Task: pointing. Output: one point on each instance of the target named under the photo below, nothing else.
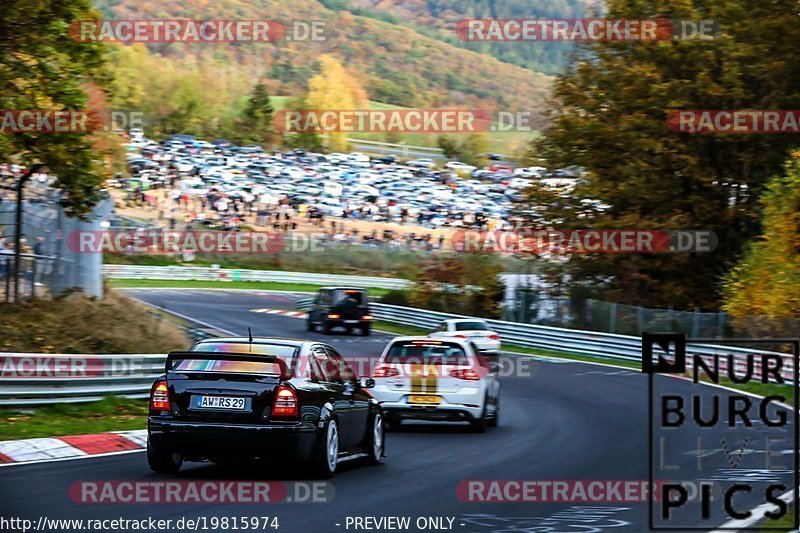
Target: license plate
(220, 402)
(434, 400)
(350, 321)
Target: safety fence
(229, 274)
(30, 379)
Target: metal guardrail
(598, 344)
(39, 379)
(229, 274)
(594, 343)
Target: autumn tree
(766, 283)
(334, 89)
(43, 68)
(611, 121)
(466, 284)
(256, 122)
(305, 140)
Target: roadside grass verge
(361, 261)
(77, 324)
(203, 284)
(110, 414)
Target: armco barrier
(33, 379)
(38, 378)
(230, 274)
(606, 345)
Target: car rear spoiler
(222, 356)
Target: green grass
(398, 329)
(571, 356)
(352, 261)
(787, 521)
(110, 414)
(69, 324)
(203, 284)
(761, 389)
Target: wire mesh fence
(34, 278)
(48, 265)
(533, 306)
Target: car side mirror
(495, 366)
(366, 382)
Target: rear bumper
(450, 413)
(344, 322)
(279, 441)
(466, 405)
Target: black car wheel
(365, 330)
(480, 424)
(328, 453)
(495, 420)
(348, 329)
(310, 326)
(326, 327)
(376, 440)
(163, 461)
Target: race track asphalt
(559, 421)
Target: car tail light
(334, 316)
(494, 337)
(285, 405)
(385, 372)
(159, 397)
(367, 317)
(465, 373)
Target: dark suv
(340, 307)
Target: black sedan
(262, 399)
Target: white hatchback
(419, 378)
(472, 329)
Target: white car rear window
(416, 352)
(471, 326)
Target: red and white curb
(73, 447)
(284, 312)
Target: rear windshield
(467, 326)
(441, 353)
(359, 296)
(229, 366)
(281, 351)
